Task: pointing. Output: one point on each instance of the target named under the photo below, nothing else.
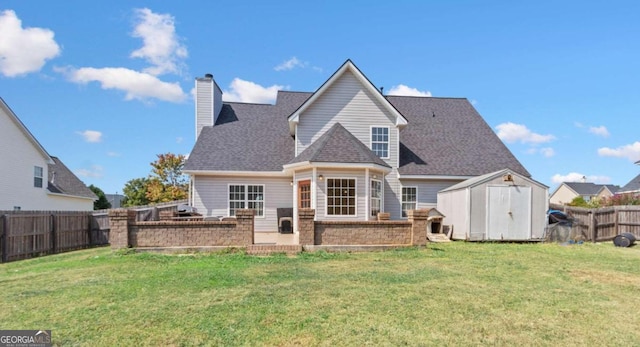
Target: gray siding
(347, 102)
(211, 197)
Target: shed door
(509, 213)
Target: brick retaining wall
(126, 232)
(362, 233)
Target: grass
(447, 294)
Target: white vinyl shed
(499, 206)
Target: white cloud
(407, 91)
(113, 154)
(290, 64)
(547, 152)
(23, 50)
(162, 47)
(247, 91)
(631, 152)
(179, 139)
(95, 171)
(137, 85)
(600, 131)
(578, 125)
(91, 135)
(578, 177)
(511, 132)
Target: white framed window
(380, 141)
(38, 173)
(376, 197)
(341, 196)
(409, 199)
(248, 196)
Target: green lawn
(447, 294)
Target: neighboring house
(567, 191)
(31, 179)
(345, 150)
(115, 200)
(632, 187)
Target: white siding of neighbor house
(347, 102)
(211, 197)
(70, 203)
(563, 195)
(19, 156)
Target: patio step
(272, 249)
(438, 237)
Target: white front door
(509, 213)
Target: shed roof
(475, 181)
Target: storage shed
(501, 205)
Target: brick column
(245, 226)
(418, 219)
(119, 220)
(384, 216)
(306, 226)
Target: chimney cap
(208, 75)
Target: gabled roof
(247, 137)
(63, 181)
(472, 182)
(348, 66)
(7, 110)
(338, 145)
(632, 186)
(612, 188)
(584, 188)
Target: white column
(367, 194)
(314, 186)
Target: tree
(135, 192)
(166, 182)
(102, 203)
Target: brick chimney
(208, 102)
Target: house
(567, 191)
(499, 206)
(632, 187)
(345, 150)
(31, 179)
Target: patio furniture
(285, 220)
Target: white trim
(308, 165)
(237, 173)
(388, 139)
(402, 198)
(314, 190)
(355, 196)
(295, 203)
(70, 196)
(294, 118)
(295, 140)
(246, 200)
(381, 194)
(367, 193)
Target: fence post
(90, 228)
(593, 226)
(54, 232)
(615, 220)
(3, 237)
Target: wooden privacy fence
(603, 224)
(27, 234)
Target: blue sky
(105, 86)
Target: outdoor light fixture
(320, 177)
(291, 183)
(375, 176)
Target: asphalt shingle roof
(338, 145)
(444, 136)
(62, 181)
(632, 186)
(588, 188)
